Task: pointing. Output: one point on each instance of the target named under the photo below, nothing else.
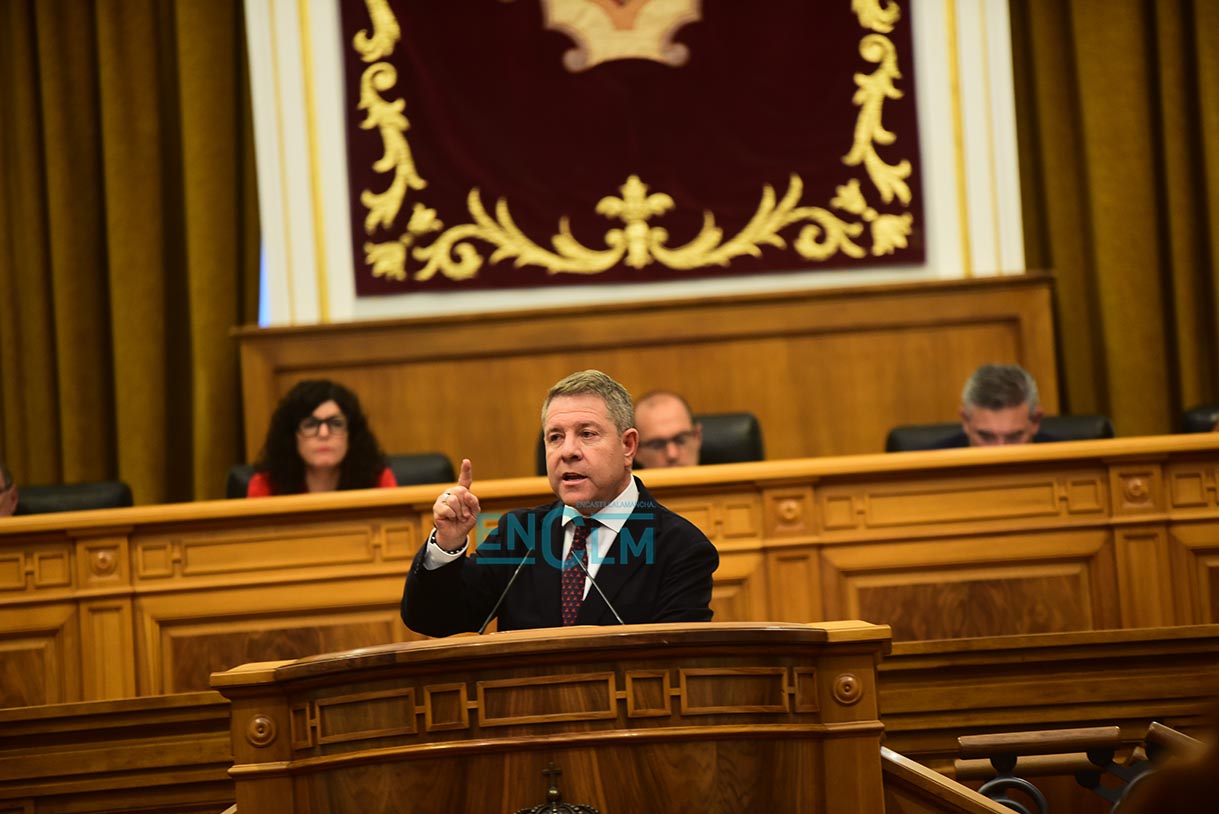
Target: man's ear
(630, 440)
(698, 432)
(1036, 417)
(963, 415)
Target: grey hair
(595, 383)
(999, 387)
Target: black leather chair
(409, 470)
(72, 497)
(1200, 419)
(728, 438)
(913, 437)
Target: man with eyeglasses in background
(8, 492)
(668, 433)
(999, 407)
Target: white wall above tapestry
(962, 219)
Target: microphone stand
(599, 591)
(504, 594)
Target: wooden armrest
(1174, 741)
(1031, 766)
(1041, 742)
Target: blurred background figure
(8, 492)
(319, 441)
(999, 406)
(668, 434)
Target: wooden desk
(717, 717)
(953, 544)
(169, 754)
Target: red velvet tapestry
(507, 143)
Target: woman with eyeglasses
(319, 441)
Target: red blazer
(260, 484)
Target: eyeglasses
(312, 425)
(661, 444)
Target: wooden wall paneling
(1192, 495)
(740, 587)
(794, 576)
(947, 501)
(40, 657)
(1195, 549)
(183, 642)
(972, 586)
(888, 355)
(107, 644)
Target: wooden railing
(957, 544)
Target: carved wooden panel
(39, 655)
(952, 498)
(318, 545)
(1145, 576)
(1137, 488)
(36, 565)
(973, 587)
(794, 576)
(724, 518)
(181, 644)
(1196, 571)
(1193, 484)
(106, 637)
(740, 589)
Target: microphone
(504, 593)
(608, 604)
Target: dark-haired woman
(319, 441)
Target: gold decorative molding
(874, 89)
(873, 15)
(386, 32)
(453, 252)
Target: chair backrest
(1078, 427)
(1200, 419)
(72, 497)
(422, 467)
(912, 437)
(409, 470)
(728, 438)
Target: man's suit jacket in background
(657, 570)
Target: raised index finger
(466, 478)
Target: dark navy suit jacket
(657, 570)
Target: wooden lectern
(719, 718)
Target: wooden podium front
(717, 717)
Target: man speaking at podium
(604, 553)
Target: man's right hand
(455, 512)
